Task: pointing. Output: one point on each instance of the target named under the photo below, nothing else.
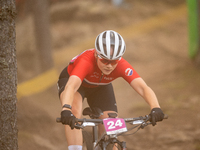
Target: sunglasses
(106, 61)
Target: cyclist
(89, 75)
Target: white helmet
(107, 41)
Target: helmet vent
(110, 44)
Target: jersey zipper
(101, 77)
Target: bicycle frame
(105, 139)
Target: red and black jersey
(85, 67)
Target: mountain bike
(114, 127)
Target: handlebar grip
(77, 126)
(165, 116)
(58, 120)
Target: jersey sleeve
(81, 69)
(127, 71)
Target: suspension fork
(123, 144)
(95, 135)
(104, 146)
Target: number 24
(113, 124)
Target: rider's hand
(68, 118)
(156, 115)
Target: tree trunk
(42, 33)
(8, 76)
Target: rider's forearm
(150, 98)
(145, 91)
(67, 96)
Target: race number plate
(114, 125)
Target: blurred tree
(194, 32)
(8, 76)
(42, 33)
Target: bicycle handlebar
(147, 118)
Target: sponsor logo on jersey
(128, 72)
(108, 78)
(95, 75)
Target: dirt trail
(159, 56)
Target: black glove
(156, 115)
(68, 118)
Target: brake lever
(142, 125)
(146, 122)
(148, 118)
(78, 126)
